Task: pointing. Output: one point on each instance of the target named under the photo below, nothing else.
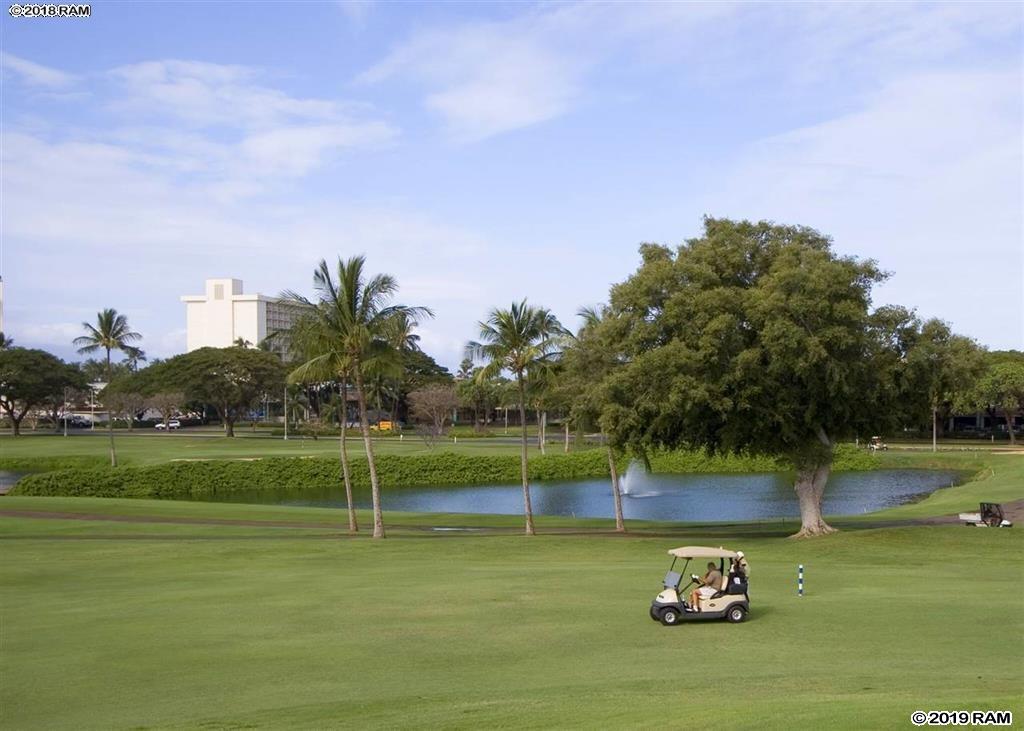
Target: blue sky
(488, 152)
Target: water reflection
(699, 497)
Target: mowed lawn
(258, 616)
(143, 625)
(149, 448)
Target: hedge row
(848, 458)
(182, 479)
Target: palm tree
(316, 339)
(522, 340)
(134, 356)
(111, 332)
(403, 338)
(351, 319)
(588, 360)
(6, 342)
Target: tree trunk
(566, 427)
(346, 475)
(527, 506)
(110, 418)
(935, 441)
(364, 424)
(229, 426)
(620, 524)
(810, 486)
(16, 424)
(1010, 417)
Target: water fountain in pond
(633, 481)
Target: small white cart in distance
(989, 515)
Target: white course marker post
(800, 580)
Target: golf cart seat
(731, 585)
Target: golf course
(121, 613)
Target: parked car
(77, 422)
(172, 424)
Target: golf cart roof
(701, 552)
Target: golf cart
(729, 601)
(989, 515)
(877, 445)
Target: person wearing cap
(741, 561)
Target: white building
(224, 314)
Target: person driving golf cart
(714, 597)
(707, 586)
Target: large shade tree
(359, 326)
(110, 333)
(1000, 388)
(31, 379)
(752, 338)
(232, 380)
(524, 341)
(943, 367)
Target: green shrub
(848, 458)
(182, 479)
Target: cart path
(1014, 512)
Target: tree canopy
(232, 380)
(1000, 389)
(754, 337)
(32, 378)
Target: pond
(691, 497)
(7, 480)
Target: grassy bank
(998, 477)
(269, 627)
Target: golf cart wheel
(654, 614)
(669, 616)
(736, 614)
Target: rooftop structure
(224, 314)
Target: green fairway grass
(267, 627)
(154, 448)
(166, 614)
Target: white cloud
(357, 11)
(487, 78)
(35, 74)
(295, 151)
(925, 177)
(45, 334)
(207, 94)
